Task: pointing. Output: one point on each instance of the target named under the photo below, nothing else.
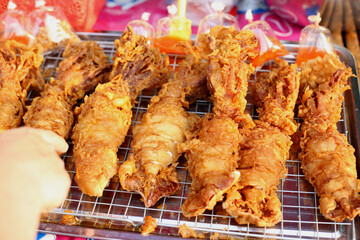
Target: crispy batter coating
(327, 158)
(150, 169)
(212, 150)
(11, 109)
(101, 128)
(84, 67)
(229, 73)
(329, 164)
(140, 64)
(265, 148)
(321, 107)
(20, 70)
(52, 111)
(212, 155)
(276, 94)
(149, 226)
(136, 66)
(186, 232)
(318, 70)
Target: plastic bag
(143, 28)
(270, 46)
(315, 41)
(217, 18)
(50, 27)
(172, 30)
(13, 25)
(197, 10)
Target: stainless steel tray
(119, 214)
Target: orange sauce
(167, 44)
(22, 39)
(277, 50)
(307, 53)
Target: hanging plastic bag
(50, 27)
(218, 18)
(12, 25)
(172, 30)
(315, 41)
(143, 28)
(270, 46)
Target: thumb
(54, 140)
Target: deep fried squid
(276, 93)
(101, 128)
(322, 100)
(253, 199)
(150, 169)
(327, 158)
(52, 111)
(265, 148)
(329, 164)
(229, 73)
(318, 70)
(212, 155)
(84, 67)
(212, 150)
(20, 70)
(106, 116)
(140, 64)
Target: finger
(55, 190)
(54, 140)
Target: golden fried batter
(229, 73)
(101, 128)
(84, 67)
(318, 70)
(212, 155)
(329, 164)
(212, 150)
(20, 70)
(253, 199)
(276, 94)
(149, 226)
(150, 169)
(322, 106)
(52, 111)
(11, 109)
(187, 232)
(265, 148)
(140, 64)
(327, 158)
(136, 66)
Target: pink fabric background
(288, 27)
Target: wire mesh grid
(121, 210)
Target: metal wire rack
(119, 211)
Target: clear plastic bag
(270, 46)
(143, 28)
(172, 30)
(12, 25)
(49, 27)
(315, 41)
(218, 18)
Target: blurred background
(286, 17)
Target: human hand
(32, 179)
